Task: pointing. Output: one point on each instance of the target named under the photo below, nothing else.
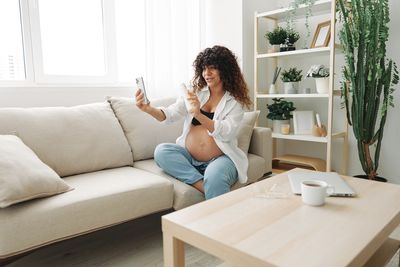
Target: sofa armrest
(261, 145)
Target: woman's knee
(219, 176)
(162, 152)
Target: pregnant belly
(200, 145)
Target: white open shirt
(227, 117)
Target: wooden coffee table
(253, 226)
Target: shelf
(300, 137)
(339, 135)
(292, 95)
(320, 7)
(271, 60)
(305, 137)
(295, 52)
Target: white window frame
(27, 50)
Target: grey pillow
(23, 175)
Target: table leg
(174, 253)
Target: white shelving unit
(277, 16)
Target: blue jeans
(218, 174)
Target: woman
(206, 155)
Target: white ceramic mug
(314, 192)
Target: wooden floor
(135, 243)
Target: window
(94, 42)
(12, 65)
(72, 37)
(131, 39)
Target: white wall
(223, 26)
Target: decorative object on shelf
(322, 35)
(321, 75)
(369, 76)
(276, 38)
(303, 121)
(319, 130)
(272, 88)
(293, 6)
(285, 128)
(279, 113)
(291, 79)
(291, 38)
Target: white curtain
(173, 39)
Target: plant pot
(283, 48)
(273, 49)
(291, 87)
(291, 47)
(276, 125)
(272, 89)
(322, 85)
(377, 178)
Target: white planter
(322, 85)
(273, 49)
(272, 89)
(291, 87)
(276, 125)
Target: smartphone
(140, 85)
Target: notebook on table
(342, 189)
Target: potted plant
(276, 38)
(369, 76)
(321, 75)
(292, 37)
(272, 88)
(279, 113)
(291, 79)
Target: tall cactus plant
(369, 77)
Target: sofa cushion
(100, 199)
(255, 171)
(144, 132)
(71, 140)
(23, 175)
(184, 194)
(246, 130)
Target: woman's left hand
(194, 104)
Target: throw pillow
(23, 175)
(144, 132)
(246, 130)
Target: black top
(210, 115)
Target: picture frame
(322, 35)
(303, 121)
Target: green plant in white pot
(280, 113)
(276, 38)
(291, 79)
(321, 75)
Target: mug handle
(330, 190)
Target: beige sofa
(104, 151)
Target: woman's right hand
(139, 96)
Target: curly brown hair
(225, 61)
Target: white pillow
(23, 175)
(246, 130)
